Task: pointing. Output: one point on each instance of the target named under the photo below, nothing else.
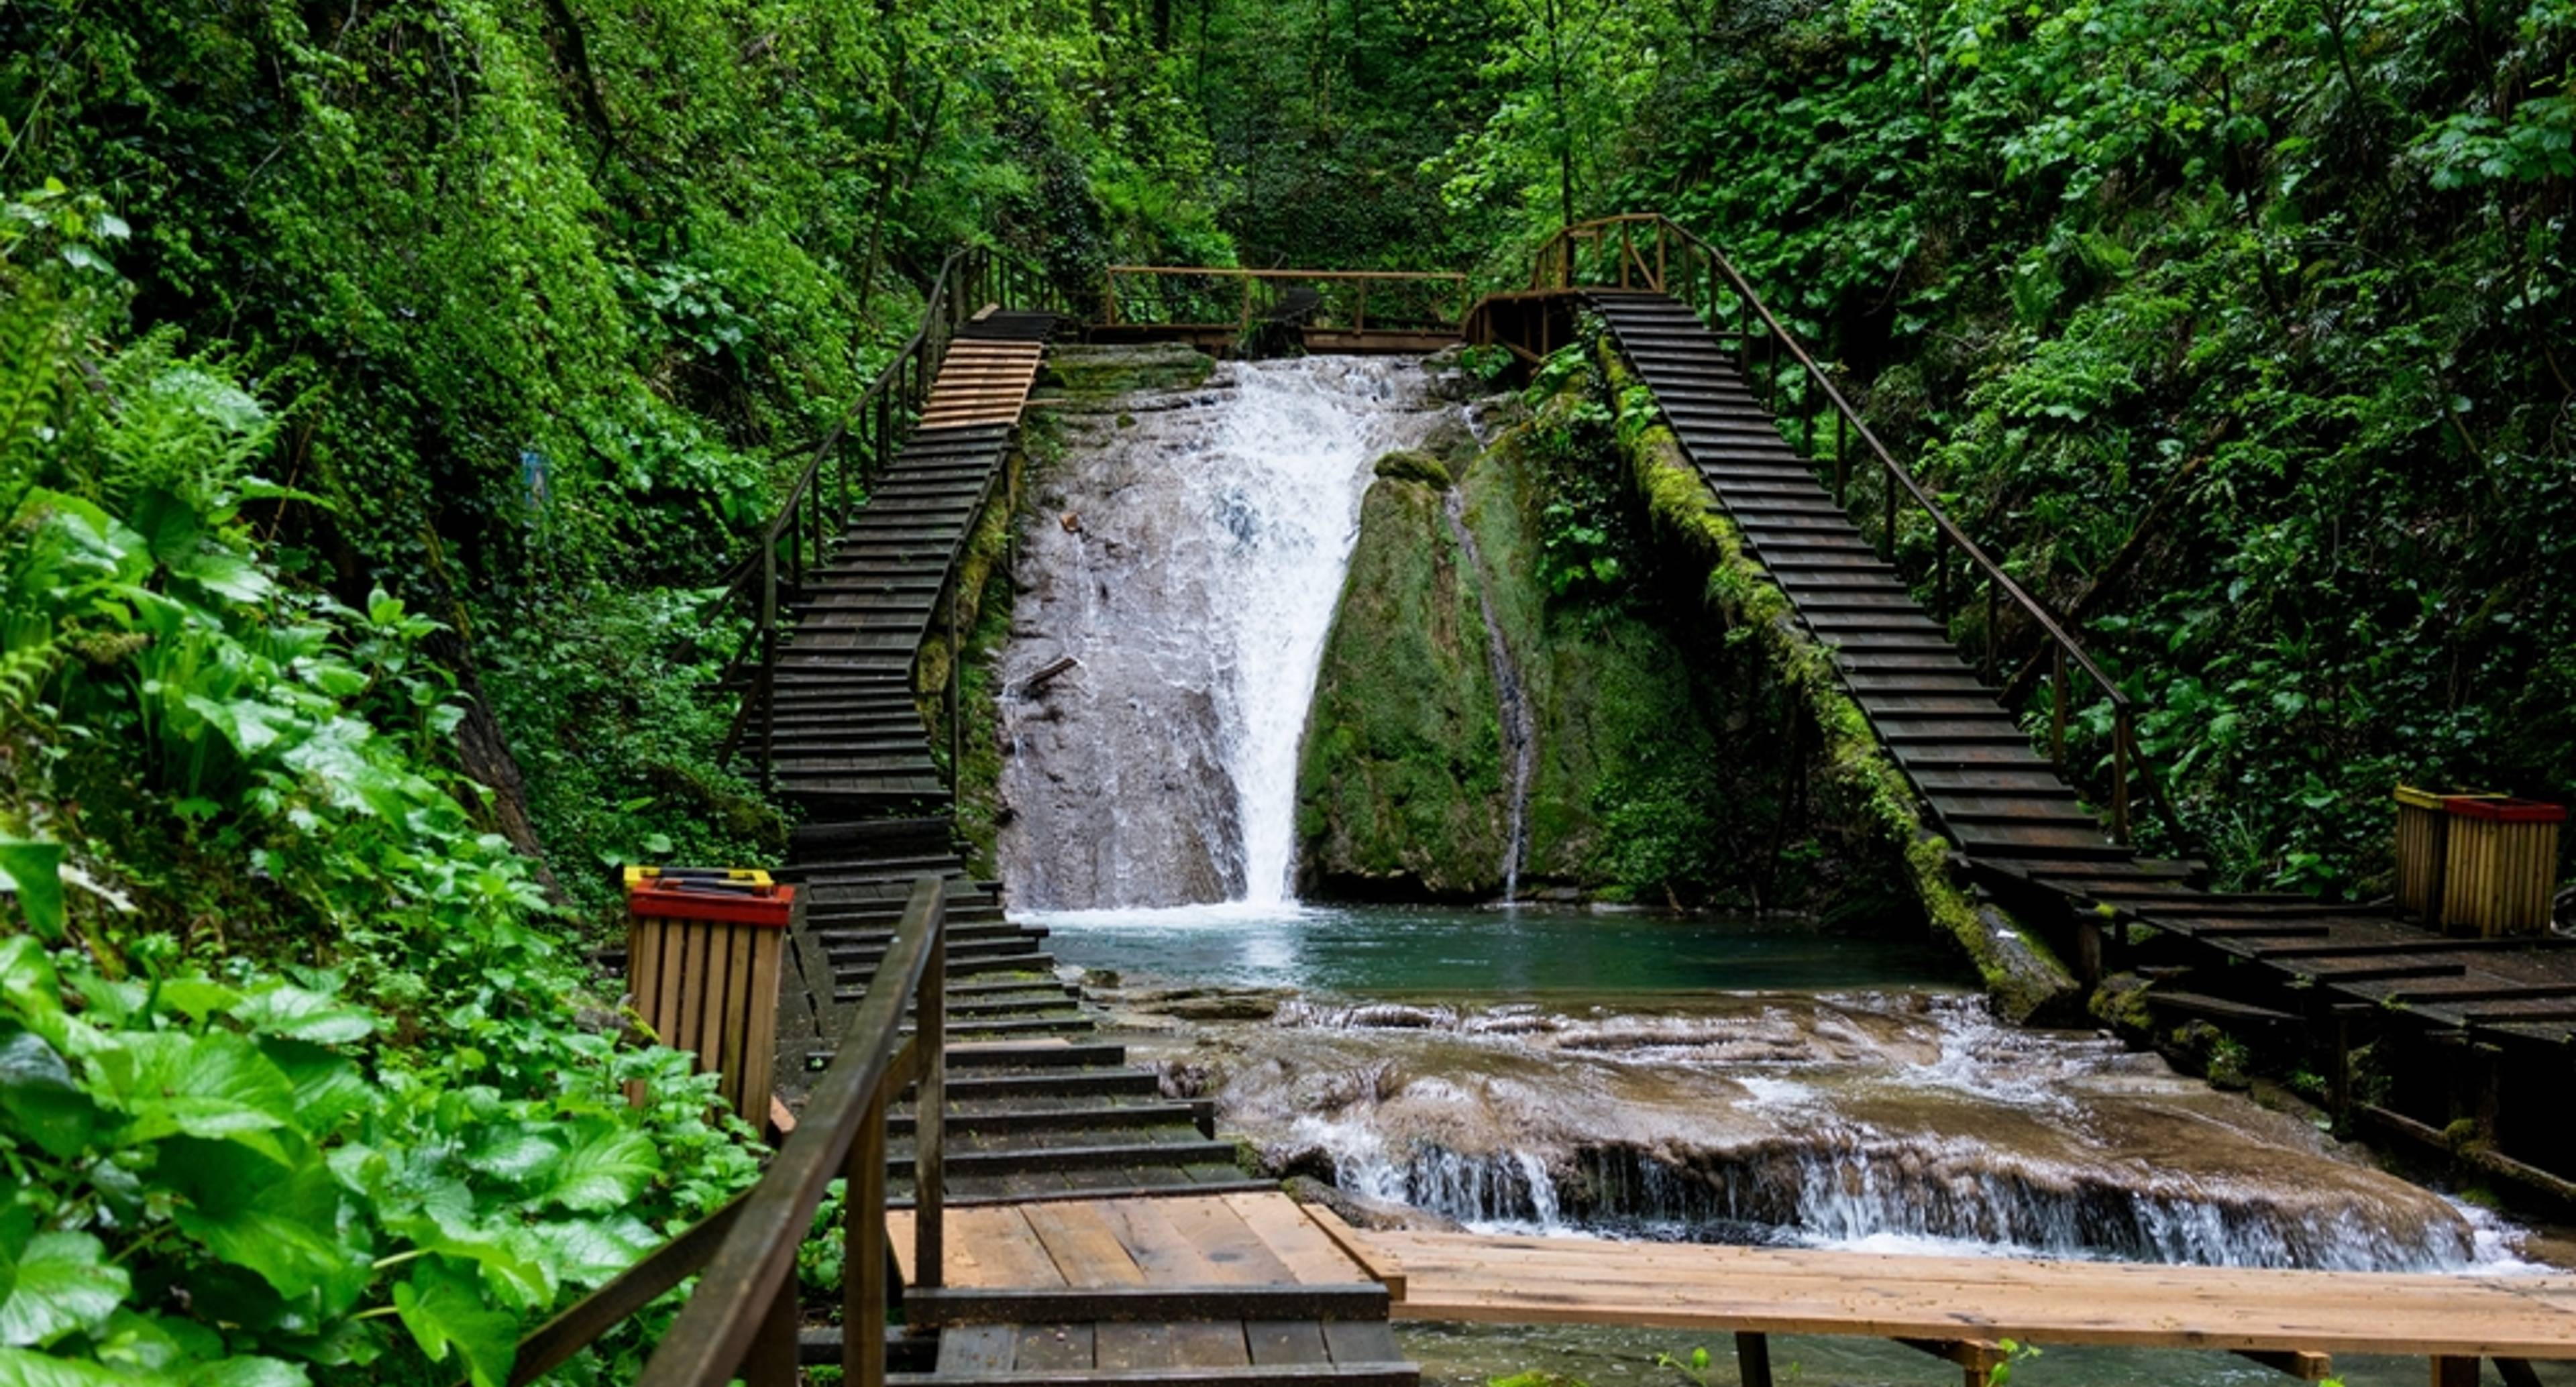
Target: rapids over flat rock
(1896, 1121)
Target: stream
(1618, 1074)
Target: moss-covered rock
(1400, 784)
(2023, 977)
(1093, 372)
(1412, 465)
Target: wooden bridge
(1024, 1208)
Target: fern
(24, 672)
(29, 328)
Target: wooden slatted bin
(2501, 866)
(2423, 843)
(703, 951)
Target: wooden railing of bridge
(818, 504)
(1345, 310)
(741, 1320)
(1649, 251)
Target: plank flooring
(2012, 818)
(1533, 1280)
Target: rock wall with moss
(1666, 768)
(1401, 784)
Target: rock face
(1410, 786)
(1176, 580)
(1401, 780)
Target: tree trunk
(485, 757)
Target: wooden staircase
(1993, 796)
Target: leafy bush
(297, 1080)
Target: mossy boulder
(1401, 777)
(1099, 372)
(1413, 465)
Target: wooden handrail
(864, 440)
(1556, 268)
(1444, 281)
(741, 1319)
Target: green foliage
(1695, 1369)
(297, 1082)
(2237, 330)
(2015, 1351)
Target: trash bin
(2423, 837)
(2501, 865)
(703, 955)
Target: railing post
(956, 697)
(1994, 614)
(1842, 462)
(1362, 314)
(930, 1119)
(768, 637)
(1940, 578)
(2057, 714)
(771, 1360)
(2120, 774)
(1887, 528)
(863, 1249)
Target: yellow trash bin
(2423, 838)
(2501, 866)
(704, 951)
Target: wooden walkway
(1241, 1287)
(1072, 1186)
(1953, 1305)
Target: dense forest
(382, 387)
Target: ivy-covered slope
(301, 1080)
(2242, 329)
(550, 298)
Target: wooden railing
(1221, 299)
(1650, 251)
(817, 508)
(742, 1318)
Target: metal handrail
(1557, 268)
(879, 422)
(741, 1319)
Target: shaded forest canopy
(371, 372)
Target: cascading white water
(1290, 464)
(1193, 573)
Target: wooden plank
(1126, 1347)
(1360, 1341)
(1312, 1256)
(1466, 1278)
(1211, 1344)
(978, 1348)
(1163, 1251)
(2306, 1367)
(1052, 1347)
(1142, 1304)
(1280, 1343)
(1376, 1374)
(1220, 1234)
(1380, 1264)
(1083, 1245)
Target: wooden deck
(1545, 1280)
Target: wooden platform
(1219, 1287)
(1535, 1280)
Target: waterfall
(1193, 568)
(1520, 729)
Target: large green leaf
(606, 1168)
(24, 1368)
(291, 1011)
(169, 525)
(282, 1223)
(38, 1097)
(444, 1309)
(214, 1085)
(33, 872)
(248, 1372)
(64, 1283)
